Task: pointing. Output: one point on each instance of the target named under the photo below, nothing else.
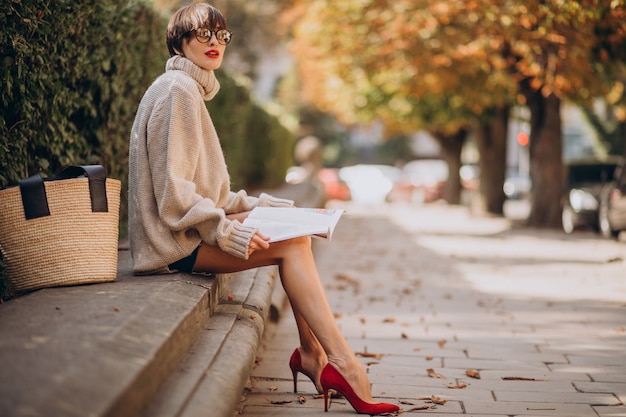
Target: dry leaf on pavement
(431, 373)
(437, 400)
(278, 402)
(458, 386)
(422, 408)
(472, 373)
(369, 355)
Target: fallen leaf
(389, 320)
(431, 373)
(230, 297)
(429, 358)
(362, 320)
(417, 349)
(620, 330)
(458, 386)
(273, 388)
(346, 278)
(406, 402)
(404, 335)
(422, 408)
(472, 373)
(442, 343)
(116, 308)
(369, 355)
(278, 402)
(437, 400)
(301, 399)
(517, 378)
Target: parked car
(584, 181)
(516, 186)
(369, 183)
(612, 211)
(421, 181)
(334, 187)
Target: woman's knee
(297, 243)
(302, 241)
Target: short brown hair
(188, 18)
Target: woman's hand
(258, 242)
(240, 217)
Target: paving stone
(604, 411)
(560, 397)
(616, 388)
(529, 408)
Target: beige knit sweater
(179, 186)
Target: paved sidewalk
(431, 296)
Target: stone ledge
(106, 349)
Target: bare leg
(302, 284)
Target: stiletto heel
(295, 363)
(332, 379)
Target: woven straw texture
(71, 246)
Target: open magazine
(280, 223)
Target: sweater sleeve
(175, 133)
(240, 202)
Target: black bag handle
(34, 197)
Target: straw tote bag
(61, 230)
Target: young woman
(184, 217)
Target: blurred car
(421, 181)
(334, 187)
(516, 186)
(585, 180)
(612, 211)
(470, 176)
(369, 183)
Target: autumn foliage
(449, 65)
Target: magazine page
(280, 223)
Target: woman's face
(207, 55)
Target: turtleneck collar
(209, 86)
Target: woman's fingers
(258, 242)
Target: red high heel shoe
(295, 363)
(332, 379)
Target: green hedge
(257, 146)
(72, 74)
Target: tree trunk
(491, 141)
(546, 160)
(452, 145)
